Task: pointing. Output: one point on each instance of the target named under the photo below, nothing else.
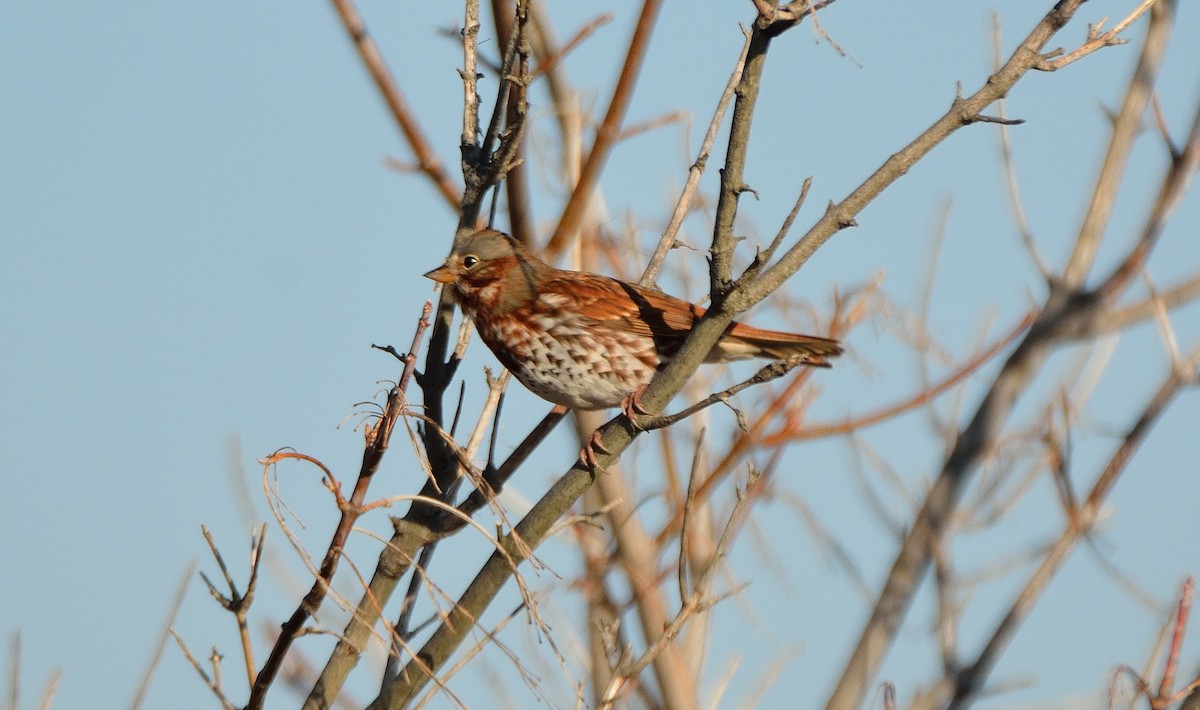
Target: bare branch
(427, 159)
(667, 242)
(606, 133)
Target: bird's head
(489, 270)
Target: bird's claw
(589, 452)
(631, 406)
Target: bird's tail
(744, 341)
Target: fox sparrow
(583, 340)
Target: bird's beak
(442, 274)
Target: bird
(584, 340)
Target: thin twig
(151, 667)
(1125, 127)
(377, 438)
(969, 680)
(583, 33)
(427, 159)
(772, 371)
(683, 204)
(607, 132)
(1016, 204)
(212, 685)
(1097, 40)
(891, 411)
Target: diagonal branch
(427, 159)
(968, 682)
(616, 436)
(1065, 314)
(378, 436)
(607, 132)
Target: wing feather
(606, 303)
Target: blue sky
(202, 239)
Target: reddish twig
(584, 32)
(427, 159)
(816, 431)
(607, 132)
(377, 437)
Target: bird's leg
(631, 406)
(589, 452)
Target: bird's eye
(470, 261)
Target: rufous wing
(635, 309)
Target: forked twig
(377, 438)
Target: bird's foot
(631, 406)
(590, 452)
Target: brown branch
(1012, 188)
(732, 174)
(213, 685)
(748, 438)
(377, 437)
(151, 667)
(238, 603)
(1125, 127)
(968, 682)
(495, 479)
(606, 133)
(1167, 687)
(516, 182)
(767, 373)
(815, 431)
(485, 163)
(427, 159)
(617, 435)
(693, 603)
(1180, 294)
(1097, 39)
(667, 242)
(551, 61)
(414, 532)
(1062, 314)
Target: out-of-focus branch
(427, 159)
(969, 681)
(1125, 128)
(563, 98)
(1066, 313)
(1184, 292)
(1016, 204)
(839, 325)
(696, 602)
(886, 413)
(606, 133)
(636, 557)
(551, 59)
